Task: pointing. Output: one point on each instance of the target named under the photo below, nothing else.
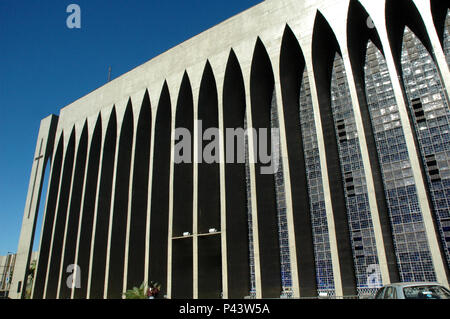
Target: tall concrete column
(173, 87)
(104, 184)
(61, 213)
(44, 150)
(94, 132)
(115, 253)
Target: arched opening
(360, 31)
(394, 160)
(39, 222)
(323, 261)
(103, 211)
(441, 19)
(430, 117)
(292, 68)
(139, 199)
(159, 215)
(235, 177)
(401, 13)
(120, 209)
(74, 214)
(41, 269)
(42, 202)
(326, 61)
(182, 245)
(60, 219)
(262, 98)
(209, 244)
(87, 220)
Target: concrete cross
(37, 159)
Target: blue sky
(44, 66)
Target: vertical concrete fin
(292, 67)
(158, 219)
(56, 246)
(208, 186)
(234, 106)
(183, 185)
(120, 206)
(97, 269)
(49, 219)
(139, 198)
(74, 208)
(83, 245)
(262, 85)
(324, 50)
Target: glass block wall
(410, 242)
(356, 194)
(324, 268)
(447, 37)
(249, 214)
(422, 86)
(430, 114)
(286, 278)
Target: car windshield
(426, 292)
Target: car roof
(410, 284)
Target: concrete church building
(359, 91)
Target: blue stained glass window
(353, 174)
(324, 268)
(430, 114)
(401, 194)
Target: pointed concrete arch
(183, 185)
(120, 208)
(44, 250)
(159, 210)
(139, 200)
(235, 187)
(439, 11)
(324, 49)
(208, 187)
(427, 19)
(392, 152)
(360, 30)
(399, 14)
(100, 231)
(50, 291)
(262, 86)
(393, 17)
(88, 207)
(292, 68)
(69, 247)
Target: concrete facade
(117, 205)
